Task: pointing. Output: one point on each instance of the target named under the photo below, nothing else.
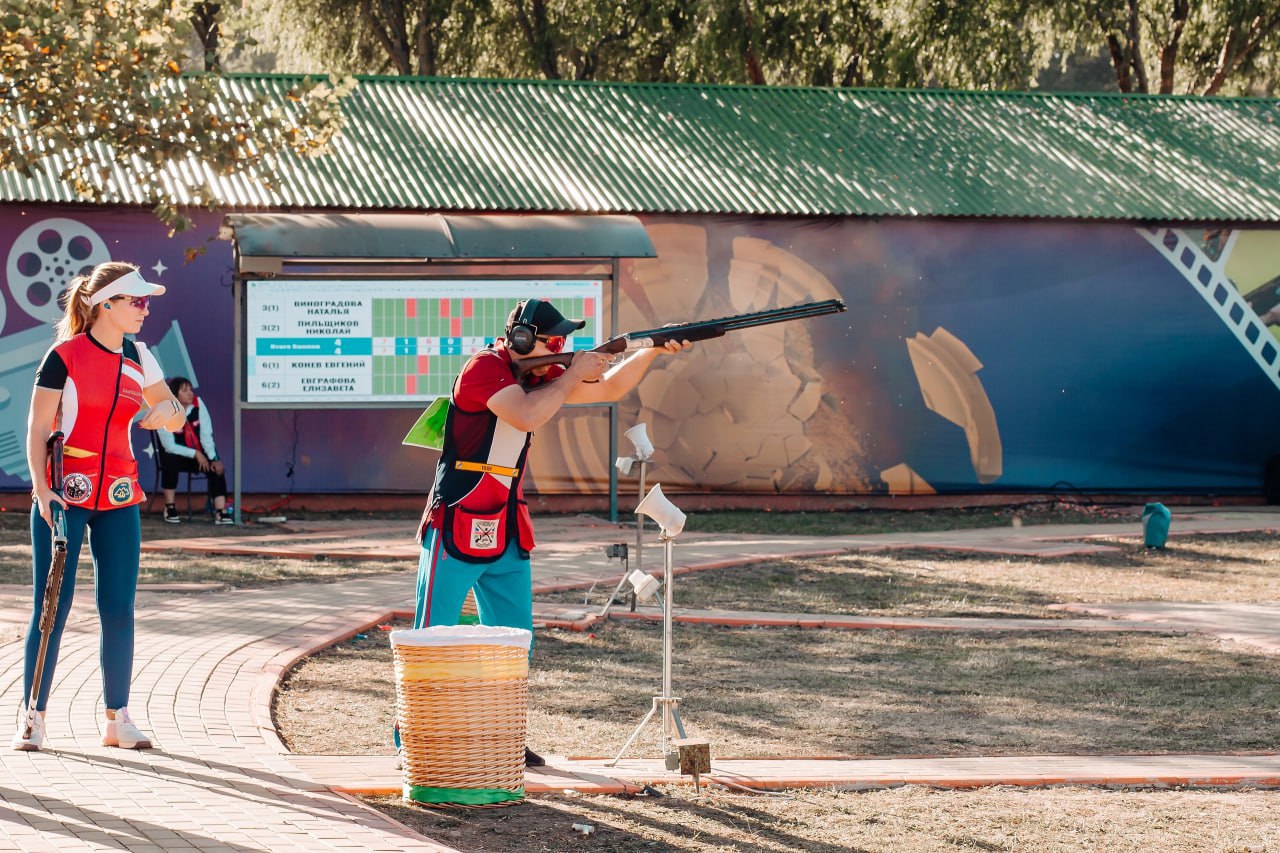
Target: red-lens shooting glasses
(555, 343)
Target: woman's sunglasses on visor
(139, 302)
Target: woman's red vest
(102, 395)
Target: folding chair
(156, 450)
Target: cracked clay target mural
(974, 356)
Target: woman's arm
(165, 412)
(40, 418)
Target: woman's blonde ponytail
(76, 309)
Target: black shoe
(222, 517)
(171, 514)
(532, 759)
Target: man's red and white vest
(477, 501)
(102, 396)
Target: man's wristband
(177, 407)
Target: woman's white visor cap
(129, 284)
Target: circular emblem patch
(76, 488)
(121, 491)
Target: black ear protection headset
(522, 335)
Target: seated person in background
(191, 449)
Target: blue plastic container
(1155, 525)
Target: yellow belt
(486, 468)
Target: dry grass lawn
(809, 692)
(839, 693)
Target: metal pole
(613, 470)
(615, 270)
(668, 598)
(640, 523)
(240, 361)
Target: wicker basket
(461, 696)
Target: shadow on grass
(856, 584)
(794, 692)
(622, 826)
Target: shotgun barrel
(700, 330)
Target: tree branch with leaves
(88, 87)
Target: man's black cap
(547, 320)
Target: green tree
(1155, 46)
(206, 23)
(1170, 46)
(428, 38)
(82, 79)
(577, 40)
(644, 41)
(802, 43)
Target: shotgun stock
(701, 330)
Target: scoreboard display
(378, 341)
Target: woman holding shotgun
(90, 386)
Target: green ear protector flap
(522, 335)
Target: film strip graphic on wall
(1206, 275)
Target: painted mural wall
(975, 356)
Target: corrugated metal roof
(536, 146)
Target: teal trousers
(504, 588)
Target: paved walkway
(219, 778)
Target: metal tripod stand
(666, 704)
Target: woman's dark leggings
(115, 538)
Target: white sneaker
(28, 741)
(123, 733)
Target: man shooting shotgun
(476, 531)
(699, 331)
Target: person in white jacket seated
(192, 449)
